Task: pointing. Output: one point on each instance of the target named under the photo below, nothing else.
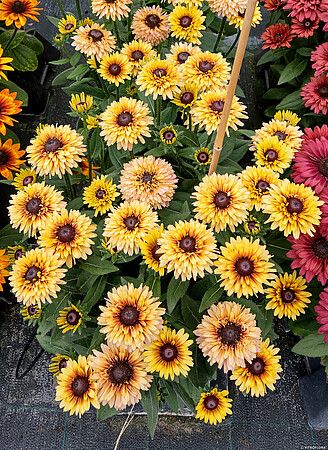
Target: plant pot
(314, 391)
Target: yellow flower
(207, 111)
(228, 335)
(150, 180)
(17, 12)
(257, 181)
(226, 8)
(186, 95)
(113, 9)
(238, 19)
(15, 252)
(261, 373)
(86, 21)
(4, 263)
(213, 406)
(244, 266)
(137, 52)
(128, 224)
(81, 103)
(115, 68)
(69, 319)
(4, 61)
(169, 354)
(150, 24)
(168, 135)
(180, 52)
(187, 2)
(252, 226)
(67, 24)
(94, 40)
(159, 78)
(292, 208)
(68, 235)
(100, 195)
(188, 249)
(31, 313)
(56, 149)
(288, 135)
(221, 201)
(149, 248)
(31, 207)
(92, 122)
(126, 122)
(203, 156)
(132, 317)
(36, 277)
(273, 154)
(76, 390)
(287, 296)
(8, 107)
(10, 161)
(24, 178)
(287, 116)
(186, 23)
(58, 362)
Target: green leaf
(61, 78)
(185, 397)
(175, 291)
(303, 327)
(33, 43)
(270, 56)
(53, 20)
(154, 284)
(21, 94)
(292, 71)
(210, 297)
(190, 313)
(94, 293)
(60, 62)
(305, 51)
(292, 101)
(76, 203)
(312, 345)
(78, 72)
(150, 404)
(75, 59)
(98, 266)
(10, 236)
(25, 59)
(7, 35)
(276, 93)
(105, 412)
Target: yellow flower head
(69, 319)
(227, 8)
(287, 116)
(213, 406)
(81, 103)
(257, 181)
(186, 23)
(92, 122)
(292, 208)
(4, 263)
(18, 12)
(151, 25)
(115, 68)
(137, 52)
(67, 25)
(58, 362)
(168, 135)
(203, 156)
(180, 52)
(186, 95)
(273, 154)
(238, 19)
(85, 21)
(100, 195)
(169, 354)
(288, 135)
(31, 313)
(10, 161)
(252, 226)
(24, 178)
(93, 40)
(4, 61)
(150, 249)
(113, 9)
(8, 107)
(15, 252)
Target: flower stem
(117, 34)
(10, 41)
(218, 39)
(69, 186)
(89, 163)
(60, 6)
(233, 45)
(78, 8)
(189, 121)
(158, 106)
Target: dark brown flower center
(100, 194)
(244, 267)
(294, 205)
(66, 233)
(120, 373)
(280, 135)
(287, 295)
(131, 222)
(185, 21)
(205, 66)
(217, 106)
(69, 26)
(73, 317)
(80, 386)
(137, 55)
(271, 155)
(323, 91)
(187, 98)
(221, 200)
(114, 69)
(230, 334)
(263, 185)
(256, 367)
(32, 274)
(147, 177)
(182, 57)
(323, 167)
(3, 158)
(154, 253)
(62, 364)
(203, 157)
(160, 72)
(152, 21)
(188, 244)
(96, 35)
(124, 119)
(18, 7)
(18, 253)
(168, 352)
(34, 205)
(320, 248)
(169, 135)
(52, 145)
(211, 402)
(27, 180)
(129, 315)
(252, 225)
(32, 310)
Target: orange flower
(4, 263)
(9, 158)
(18, 11)
(8, 107)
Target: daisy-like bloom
(92, 122)
(76, 390)
(203, 156)
(150, 24)
(58, 362)
(221, 201)
(226, 8)
(56, 149)
(31, 313)
(324, 219)
(120, 375)
(277, 36)
(18, 12)
(273, 154)
(244, 267)
(10, 161)
(213, 406)
(4, 263)
(4, 61)
(150, 250)
(287, 116)
(315, 94)
(36, 277)
(137, 52)
(274, 5)
(31, 207)
(186, 95)
(115, 68)
(261, 373)
(287, 296)
(292, 208)
(125, 122)
(252, 226)
(15, 252)
(186, 23)
(94, 40)
(24, 178)
(168, 135)
(315, 133)
(132, 317)
(209, 71)
(8, 107)
(238, 20)
(319, 57)
(83, 168)
(188, 249)
(257, 181)
(180, 52)
(288, 135)
(150, 180)
(207, 111)
(169, 354)
(303, 9)
(69, 319)
(304, 28)
(128, 224)
(100, 195)
(228, 335)
(81, 103)
(113, 9)
(310, 255)
(67, 25)
(159, 78)
(322, 314)
(68, 235)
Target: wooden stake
(240, 53)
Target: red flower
(324, 217)
(304, 28)
(320, 59)
(316, 133)
(273, 5)
(310, 255)
(276, 36)
(322, 310)
(305, 9)
(315, 94)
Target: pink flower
(315, 94)
(316, 133)
(320, 59)
(304, 28)
(305, 9)
(311, 164)
(322, 310)
(277, 36)
(324, 217)
(310, 255)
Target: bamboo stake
(240, 53)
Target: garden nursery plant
(146, 274)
